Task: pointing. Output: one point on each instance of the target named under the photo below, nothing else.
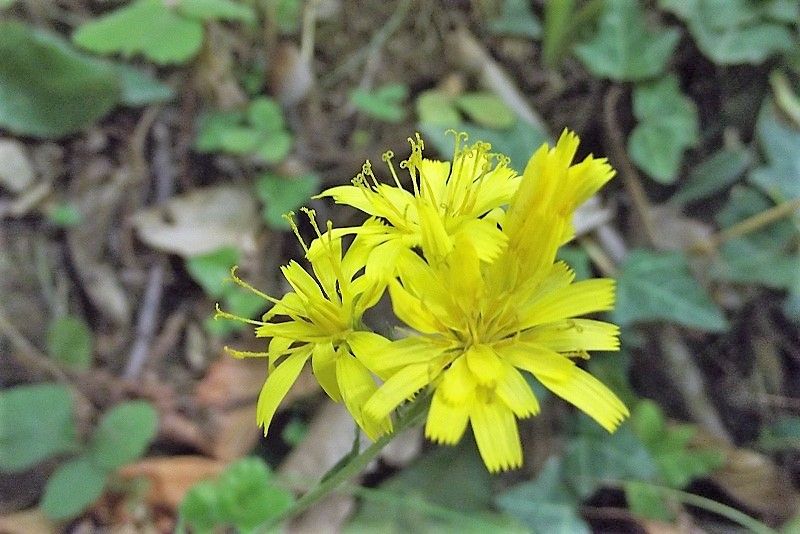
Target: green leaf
(282, 194)
(124, 434)
(147, 27)
(265, 115)
(517, 20)
(140, 89)
(624, 49)
(212, 271)
(564, 23)
(385, 103)
(780, 178)
(249, 496)
(200, 507)
(486, 109)
(211, 128)
(712, 175)
(735, 31)
(595, 456)
(647, 501)
(577, 259)
(545, 504)
(435, 108)
(65, 215)
(781, 435)
(518, 143)
(69, 342)
(656, 286)
(286, 14)
(240, 140)
(47, 89)
(667, 126)
(74, 486)
(275, 147)
(36, 423)
(216, 10)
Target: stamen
(227, 315)
(366, 170)
(241, 283)
(240, 354)
(312, 218)
(289, 217)
(387, 159)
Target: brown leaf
(171, 477)
(200, 222)
(31, 521)
(16, 171)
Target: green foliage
(47, 89)
(712, 175)
(486, 109)
(646, 500)
(780, 178)
(564, 22)
(578, 260)
(259, 132)
(517, 20)
(64, 215)
(447, 490)
(678, 463)
(245, 495)
(73, 486)
(658, 286)
(124, 434)
(36, 423)
(162, 33)
(667, 126)
(624, 49)
(286, 14)
(737, 31)
(384, 103)
(282, 194)
(783, 434)
(546, 504)
(138, 89)
(766, 257)
(69, 341)
(212, 272)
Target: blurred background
(148, 146)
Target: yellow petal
(458, 383)
(574, 335)
(433, 177)
(486, 367)
(484, 235)
(446, 422)
(580, 298)
(398, 388)
(497, 187)
(302, 282)
(537, 360)
(357, 386)
(368, 347)
(411, 310)
(401, 353)
(382, 262)
(277, 385)
(436, 242)
(497, 435)
(590, 396)
(515, 392)
(278, 346)
(357, 196)
(323, 363)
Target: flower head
(479, 324)
(320, 319)
(447, 201)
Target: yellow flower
(320, 320)
(447, 201)
(479, 324)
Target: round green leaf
(247, 496)
(72, 488)
(266, 115)
(200, 507)
(69, 341)
(124, 434)
(486, 110)
(275, 147)
(436, 109)
(47, 89)
(36, 422)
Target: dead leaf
(16, 171)
(291, 76)
(31, 521)
(171, 476)
(590, 215)
(675, 231)
(200, 222)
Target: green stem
(720, 509)
(411, 417)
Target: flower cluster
(468, 258)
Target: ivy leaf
(282, 194)
(658, 286)
(248, 495)
(72, 488)
(624, 49)
(731, 32)
(147, 27)
(385, 103)
(486, 109)
(212, 270)
(47, 89)
(545, 504)
(517, 20)
(713, 174)
(216, 10)
(69, 341)
(667, 126)
(124, 434)
(780, 178)
(139, 89)
(646, 500)
(436, 108)
(36, 423)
